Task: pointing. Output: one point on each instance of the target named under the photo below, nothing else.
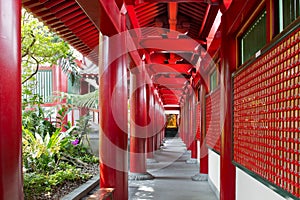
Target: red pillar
(187, 118)
(163, 123)
(84, 88)
(192, 143)
(191, 131)
(139, 125)
(113, 116)
(228, 59)
(203, 170)
(10, 101)
(150, 136)
(182, 110)
(156, 147)
(194, 149)
(203, 147)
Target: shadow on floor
(172, 177)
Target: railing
(267, 116)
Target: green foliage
(40, 46)
(36, 183)
(44, 146)
(47, 146)
(41, 153)
(34, 117)
(89, 100)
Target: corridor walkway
(172, 177)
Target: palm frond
(89, 100)
(70, 68)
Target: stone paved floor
(172, 177)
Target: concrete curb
(83, 190)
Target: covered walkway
(172, 177)
(229, 68)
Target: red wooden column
(156, 145)
(182, 113)
(187, 131)
(163, 120)
(228, 59)
(84, 88)
(203, 171)
(182, 123)
(113, 116)
(139, 124)
(192, 141)
(184, 120)
(10, 101)
(154, 123)
(151, 129)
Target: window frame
(281, 24)
(250, 26)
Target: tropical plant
(45, 162)
(40, 153)
(89, 100)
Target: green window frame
(289, 11)
(213, 80)
(44, 85)
(254, 38)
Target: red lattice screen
(213, 132)
(267, 115)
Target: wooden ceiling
(172, 33)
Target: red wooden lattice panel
(198, 121)
(213, 131)
(267, 115)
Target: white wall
(198, 150)
(248, 188)
(214, 169)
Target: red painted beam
(175, 100)
(171, 68)
(204, 19)
(133, 19)
(170, 102)
(66, 11)
(169, 81)
(168, 91)
(170, 44)
(11, 186)
(50, 4)
(63, 6)
(169, 96)
(136, 2)
(171, 107)
(104, 14)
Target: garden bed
(66, 187)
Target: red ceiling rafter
(64, 17)
(79, 22)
